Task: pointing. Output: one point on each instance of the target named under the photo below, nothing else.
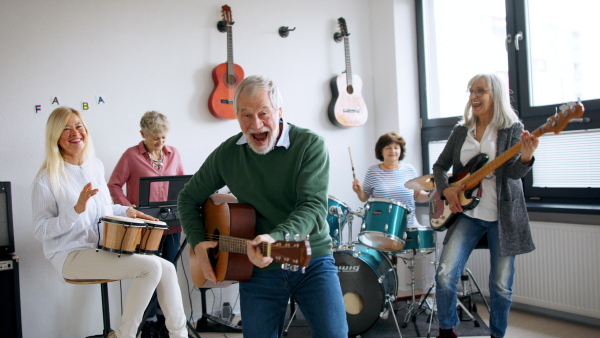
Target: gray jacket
(513, 220)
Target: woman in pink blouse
(151, 157)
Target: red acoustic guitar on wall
(226, 76)
(347, 107)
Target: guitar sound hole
(350, 89)
(231, 80)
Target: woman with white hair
(69, 197)
(490, 126)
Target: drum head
(364, 295)
(122, 220)
(156, 224)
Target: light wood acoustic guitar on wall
(347, 107)
(226, 76)
(476, 170)
(232, 224)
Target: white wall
(143, 55)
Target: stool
(104, 294)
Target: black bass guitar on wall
(440, 215)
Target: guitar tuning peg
(303, 270)
(285, 266)
(563, 107)
(306, 237)
(287, 237)
(296, 237)
(294, 268)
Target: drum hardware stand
(295, 309)
(466, 296)
(432, 308)
(412, 310)
(389, 300)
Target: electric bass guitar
(347, 107)
(440, 215)
(232, 225)
(226, 76)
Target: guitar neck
(230, 69)
(348, 65)
(238, 245)
(472, 180)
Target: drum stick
(352, 163)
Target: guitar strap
(479, 191)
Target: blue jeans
(170, 247)
(467, 233)
(317, 292)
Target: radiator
(563, 273)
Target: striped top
(381, 183)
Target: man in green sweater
(282, 171)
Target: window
(545, 50)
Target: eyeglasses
(478, 92)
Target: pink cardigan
(134, 163)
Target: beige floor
(521, 325)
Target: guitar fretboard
(230, 71)
(348, 65)
(235, 244)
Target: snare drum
(419, 239)
(337, 213)
(121, 234)
(384, 224)
(152, 236)
(367, 278)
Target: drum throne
(104, 295)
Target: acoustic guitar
(226, 76)
(347, 107)
(232, 224)
(440, 215)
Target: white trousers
(149, 272)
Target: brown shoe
(446, 333)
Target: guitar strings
(233, 244)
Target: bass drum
(367, 278)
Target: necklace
(156, 163)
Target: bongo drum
(121, 234)
(152, 236)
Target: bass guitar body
(220, 102)
(440, 216)
(347, 107)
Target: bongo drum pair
(125, 235)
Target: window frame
(541, 199)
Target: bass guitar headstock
(559, 120)
(292, 254)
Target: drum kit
(368, 276)
(125, 235)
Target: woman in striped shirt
(386, 180)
